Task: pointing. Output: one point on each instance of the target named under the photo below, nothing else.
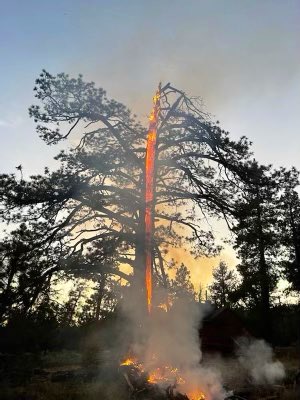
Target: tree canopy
(223, 285)
(92, 205)
(86, 218)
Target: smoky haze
(242, 58)
(172, 339)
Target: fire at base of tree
(85, 223)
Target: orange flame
(165, 375)
(195, 395)
(128, 361)
(149, 194)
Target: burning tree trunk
(150, 194)
(99, 191)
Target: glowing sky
(241, 56)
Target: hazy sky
(241, 56)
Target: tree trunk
(265, 310)
(100, 296)
(296, 244)
(4, 297)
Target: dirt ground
(69, 376)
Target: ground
(68, 375)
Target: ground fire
(165, 378)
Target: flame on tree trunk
(149, 194)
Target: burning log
(141, 387)
(162, 383)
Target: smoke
(171, 339)
(256, 356)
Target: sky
(241, 56)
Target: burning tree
(121, 198)
(93, 204)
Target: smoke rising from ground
(256, 356)
(172, 339)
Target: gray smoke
(172, 339)
(256, 356)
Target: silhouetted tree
(181, 286)
(201, 293)
(257, 242)
(27, 265)
(103, 300)
(223, 285)
(289, 217)
(69, 310)
(93, 205)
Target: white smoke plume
(172, 339)
(256, 356)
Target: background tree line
(266, 238)
(84, 220)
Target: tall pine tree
(257, 242)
